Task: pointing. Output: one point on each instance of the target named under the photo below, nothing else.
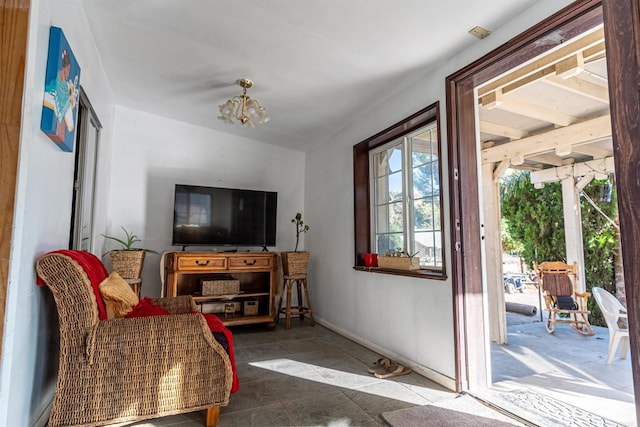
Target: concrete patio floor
(567, 367)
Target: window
(397, 192)
(405, 188)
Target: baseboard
(434, 376)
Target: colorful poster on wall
(61, 92)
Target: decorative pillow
(118, 296)
(566, 303)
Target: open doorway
(542, 123)
(545, 137)
(469, 272)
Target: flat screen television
(212, 216)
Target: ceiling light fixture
(244, 109)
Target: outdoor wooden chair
(564, 304)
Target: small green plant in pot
(128, 260)
(294, 263)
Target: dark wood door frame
(622, 41)
(622, 33)
(14, 26)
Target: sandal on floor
(380, 365)
(394, 371)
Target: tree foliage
(534, 217)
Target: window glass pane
(395, 159)
(389, 242)
(436, 214)
(423, 180)
(423, 215)
(388, 161)
(435, 169)
(389, 188)
(424, 147)
(420, 158)
(390, 218)
(429, 248)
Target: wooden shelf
(245, 320)
(229, 297)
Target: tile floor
(309, 376)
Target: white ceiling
(316, 65)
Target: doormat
(463, 411)
(539, 409)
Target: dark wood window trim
(424, 273)
(361, 188)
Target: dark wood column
(14, 19)
(622, 40)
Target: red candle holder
(371, 260)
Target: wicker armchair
(130, 369)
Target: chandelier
(243, 109)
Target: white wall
(42, 216)
(151, 154)
(406, 318)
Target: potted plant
(295, 263)
(128, 260)
(399, 260)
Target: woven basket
(294, 263)
(127, 264)
(220, 287)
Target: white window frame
(408, 230)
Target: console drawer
(249, 263)
(196, 263)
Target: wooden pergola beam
(601, 168)
(547, 159)
(502, 130)
(595, 152)
(534, 111)
(577, 134)
(581, 87)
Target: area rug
(463, 411)
(543, 410)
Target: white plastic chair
(612, 309)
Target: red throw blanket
(146, 307)
(95, 271)
(215, 325)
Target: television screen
(214, 216)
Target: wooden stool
(136, 284)
(300, 281)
